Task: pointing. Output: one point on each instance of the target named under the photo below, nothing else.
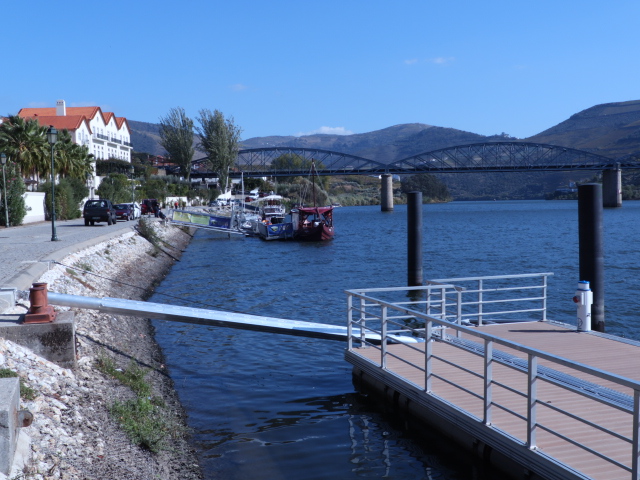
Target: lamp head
(3, 158)
(52, 135)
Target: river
(266, 406)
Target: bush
(115, 187)
(155, 188)
(69, 195)
(15, 202)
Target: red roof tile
(72, 112)
(69, 122)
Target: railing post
(459, 311)
(349, 321)
(532, 399)
(488, 380)
(383, 343)
(635, 468)
(480, 303)
(544, 298)
(362, 323)
(428, 351)
(443, 305)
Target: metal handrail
(534, 372)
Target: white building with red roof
(106, 135)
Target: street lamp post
(52, 138)
(132, 171)
(3, 159)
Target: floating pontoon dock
(538, 399)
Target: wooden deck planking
(602, 353)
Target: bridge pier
(386, 192)
(612, 188)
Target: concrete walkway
(24, 250)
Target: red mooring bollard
(40, 311)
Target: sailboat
(312, 224)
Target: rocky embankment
(74, 434)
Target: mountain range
(611, 129)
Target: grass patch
(26, 393)
(146, 231)
(143, 422)
(72, 274)
(132, 376)
(144, 419)
(83, 266)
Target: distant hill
(611, 129)
(385, 146)
(145, 137)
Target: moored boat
(312, 224)
(271, 224)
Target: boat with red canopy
(312, 224)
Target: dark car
(124, 211)
(99, 211)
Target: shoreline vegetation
(116, 415)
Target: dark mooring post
(591, 248)
(414, 240)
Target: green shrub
(144, 418)
(69, 195)
(15, 190)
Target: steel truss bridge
(477, 157)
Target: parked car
(99, 211)
(124, 211)
(137, 211)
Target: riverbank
(73, 434)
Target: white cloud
(238, 87)
(441, 60)
(411, 61)
(327, 131)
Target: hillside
(385, 146)
(611, 129)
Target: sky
(300, 67)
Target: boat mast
(313, 181)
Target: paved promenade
(24, 250)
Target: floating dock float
(537, 398)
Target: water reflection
(373, 444)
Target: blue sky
(298, 67)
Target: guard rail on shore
(483, 375)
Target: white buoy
(583, 299)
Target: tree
(72, 160)
(296, 163)
(25, 143)
(432, 188)
(219, 138)
(176, 137)
(116, 187)
(156, 188)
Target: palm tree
(24, 141)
